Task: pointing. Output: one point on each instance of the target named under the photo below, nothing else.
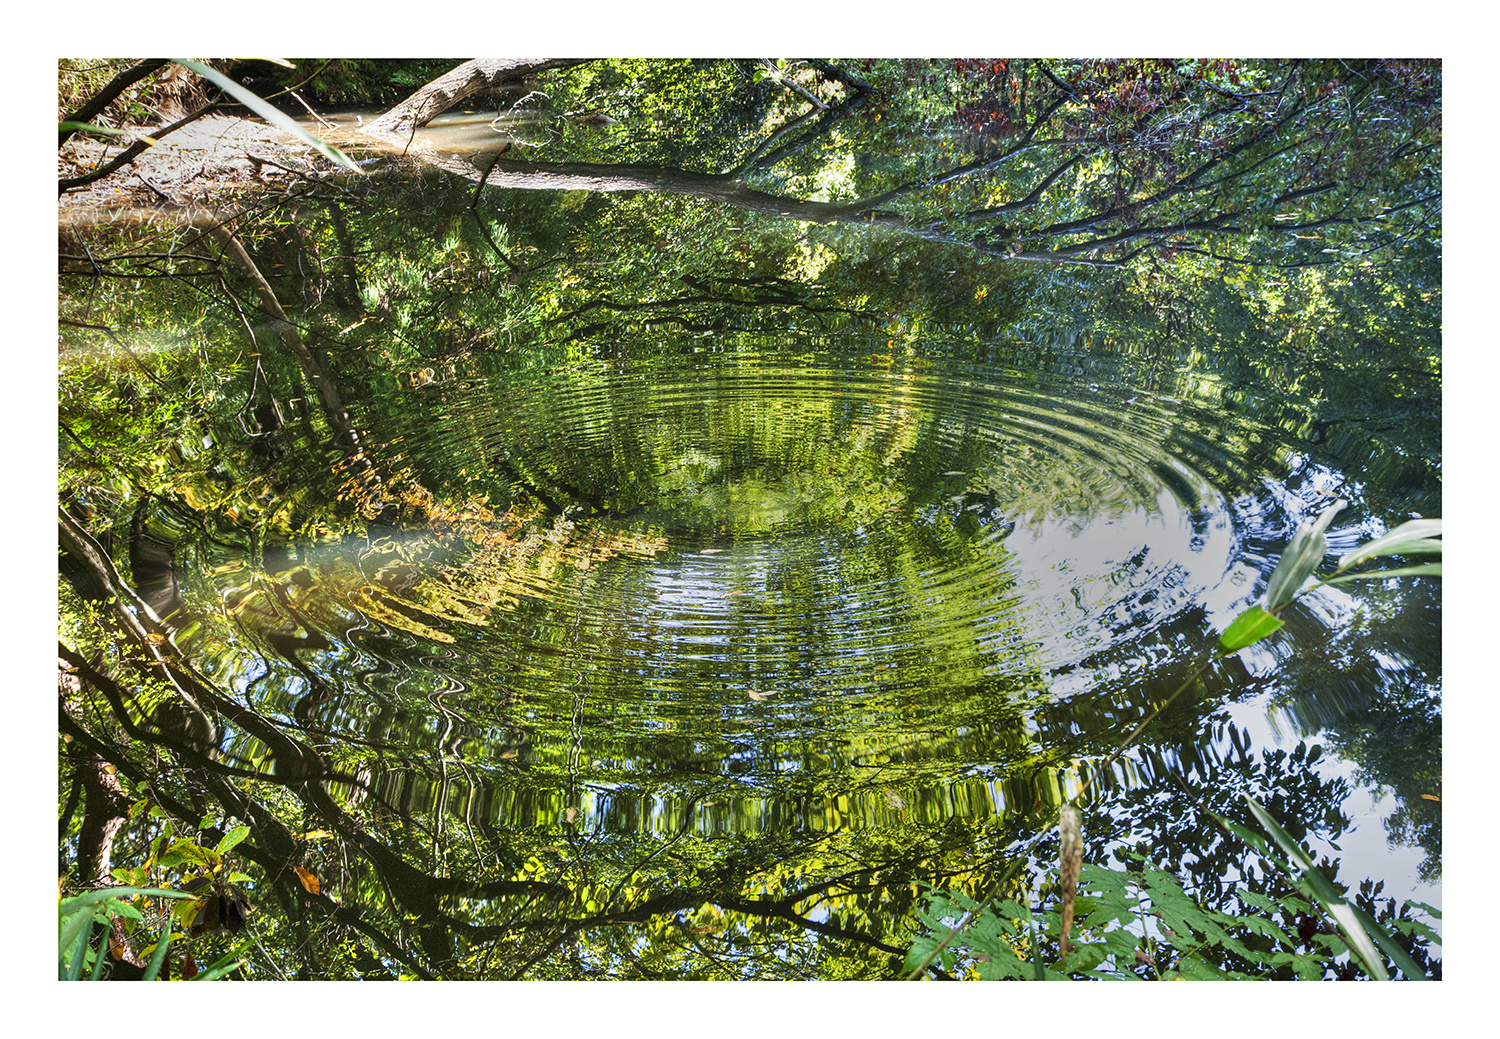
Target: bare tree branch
(468, 79)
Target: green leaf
(163, 940)
(77, 903)
(1194, 969)
(214, 973)
(72, 970)
(100, 961)
(1421, 570)
(1306, 550)
(109, 131)
(1414, 537)
(1248, 629)
(917, 957)
(232, 838)
(114, 907)
(261, 108)
(75, 915)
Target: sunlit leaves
(231, 839)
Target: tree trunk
(726, 188)
(286, 334)
(449, 89)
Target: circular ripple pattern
(804, 532)
(744, 590)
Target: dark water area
(643, 649)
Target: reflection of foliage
(1183, 836)
(420, 804)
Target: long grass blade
(68, 906)
(231, 960)
(1354, 931)
(1411, 538)
(163, 940)
(74, 969)
(102, 959)
(214, 973)
(1420, 570)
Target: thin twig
(310, 111)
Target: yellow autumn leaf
(309, 880)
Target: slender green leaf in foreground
(1358, 929)
(266, 111)
(1302, 556)
(163, 941)
(73, 970)
(1414, 537)
(1421, 570)
(108, 131)
(76, 915)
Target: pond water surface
(738, 634)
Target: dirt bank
(203, 163)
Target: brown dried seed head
(1070, 862)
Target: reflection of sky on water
(1363, 849)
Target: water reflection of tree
(467, 862)
(405, 890)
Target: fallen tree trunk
(449, 89)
